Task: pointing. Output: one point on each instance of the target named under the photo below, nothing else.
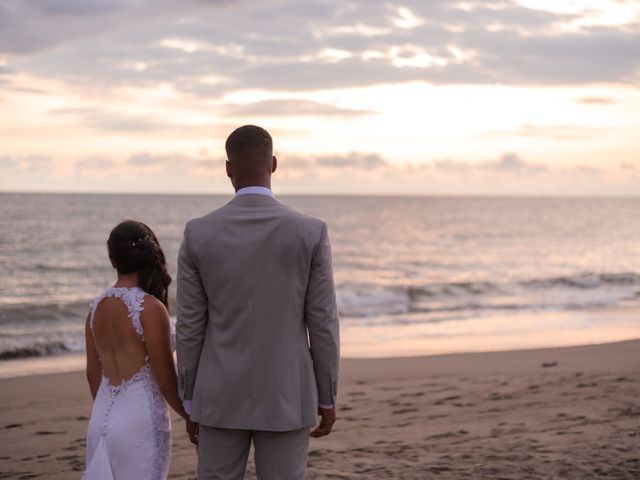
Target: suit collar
(253, 199)
(255, 189)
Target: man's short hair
(249, 142)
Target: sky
(415, 97)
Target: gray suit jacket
(257, 329)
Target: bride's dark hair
(133, 247)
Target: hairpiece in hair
(139, 240)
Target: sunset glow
(494, 97)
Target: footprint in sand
(316, 453)
(412, 394)
(446, 399)
(447, 434)
(67, 457)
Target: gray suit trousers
(223, 453)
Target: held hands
(327, 419)
(193, 429)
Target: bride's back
(120, 347)
(130, 366)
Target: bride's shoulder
(152, 308)
(155, 321)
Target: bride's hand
(193, 430)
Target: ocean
(414, 275)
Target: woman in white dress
(130, 367)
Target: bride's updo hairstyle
(133, 247)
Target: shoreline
(482, 334)
(75, 362)
(568, 412)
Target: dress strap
(133, 298)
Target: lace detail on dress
(159, 431)
(133, 299)
(144, 373)
(155, 444)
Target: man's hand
(193, 430)
(327, 419)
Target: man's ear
(274, 164)
(229, 168)
(113, 264)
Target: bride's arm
(94, 371)
(157, 336)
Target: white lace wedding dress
(129, 435)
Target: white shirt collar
(256, 190)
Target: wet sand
(571, 413)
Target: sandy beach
(570, 413)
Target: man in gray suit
(257, 329)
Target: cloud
(510, 163)
(357, 161)
(170, 162)
(36, 163)
(28, 26)
(356, 172)
(165, 168)
(553, 132)
(366, 161)
(293, 107)
(145, 162)
(130, 123)
(596, 100)
(7, 163)
(584, 170)
(144, 159)
(509, 174)
(314, 46)
(95, 163)
(104, 120)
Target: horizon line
(329, 194)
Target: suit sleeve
(321, 316)
(192, 318)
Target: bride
(130, 368)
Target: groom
(257, 329)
